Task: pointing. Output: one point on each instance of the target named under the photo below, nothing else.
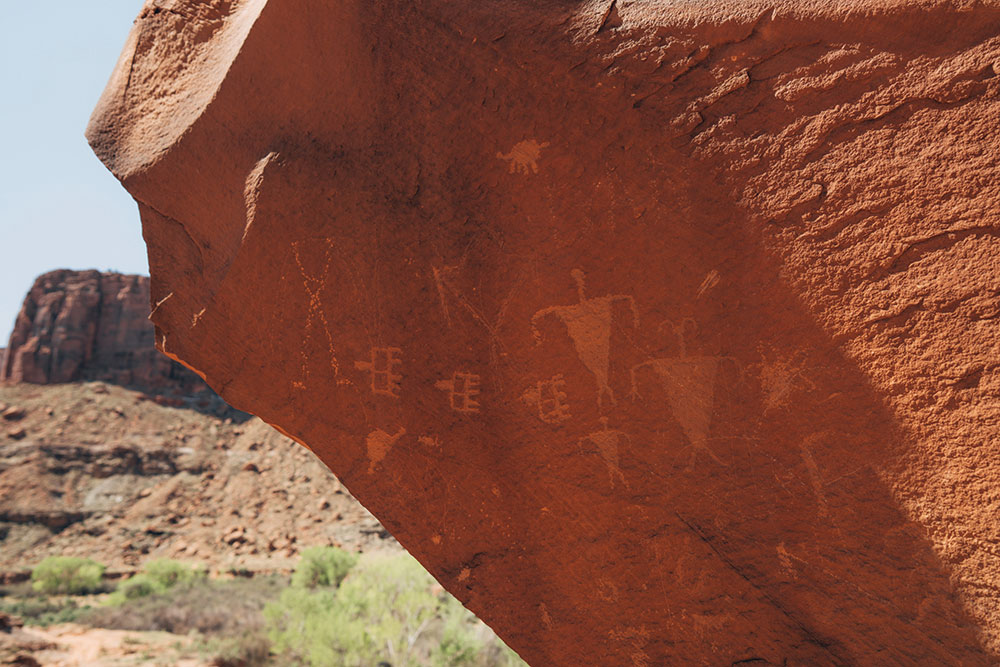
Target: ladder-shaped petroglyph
(316, 315)
(382, 366)
(689, 383)
(463, 390)
(589, 324)
(524, 156)
(549, 396)
(379, 444)
(607, 441)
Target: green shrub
(67, 576)
(44, 611)
(249, 649)
(388, 609)
(323, 566)
(157, 576)
(168, 573)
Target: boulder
(660, 332)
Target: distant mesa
(91, 326)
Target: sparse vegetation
(63, 575)
(43, 610)
(157, 576)
(336, 610)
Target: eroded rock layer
(660, 332)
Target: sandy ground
(79, 646)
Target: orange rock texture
(660, 332)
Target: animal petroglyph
(524, 156)
(607, 441)
(689, 383)
(384, 380)
(549, 396)
(379, 444)
(589, 326)
(315, 316)
(462, 388)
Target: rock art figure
(607, 441)
(316, 323)
(524, 156)
(588, 324)
(379, 443)
(689, 383)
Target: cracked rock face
(661, 333)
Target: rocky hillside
(96, 470)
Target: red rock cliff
(663, 333)
(87, 325)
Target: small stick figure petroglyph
(524, 156)
(607, 441)
(589, 326)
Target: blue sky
(59, 206)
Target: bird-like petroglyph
(379, 444)
(588, 324)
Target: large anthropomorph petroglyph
(662, 333)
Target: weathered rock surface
(87, 325)
(661, 332)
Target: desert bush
(67, 576)
(323, 566)
(157, 576)
(249, 649)
(44, 611)
(387, 609)
(216, 608)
